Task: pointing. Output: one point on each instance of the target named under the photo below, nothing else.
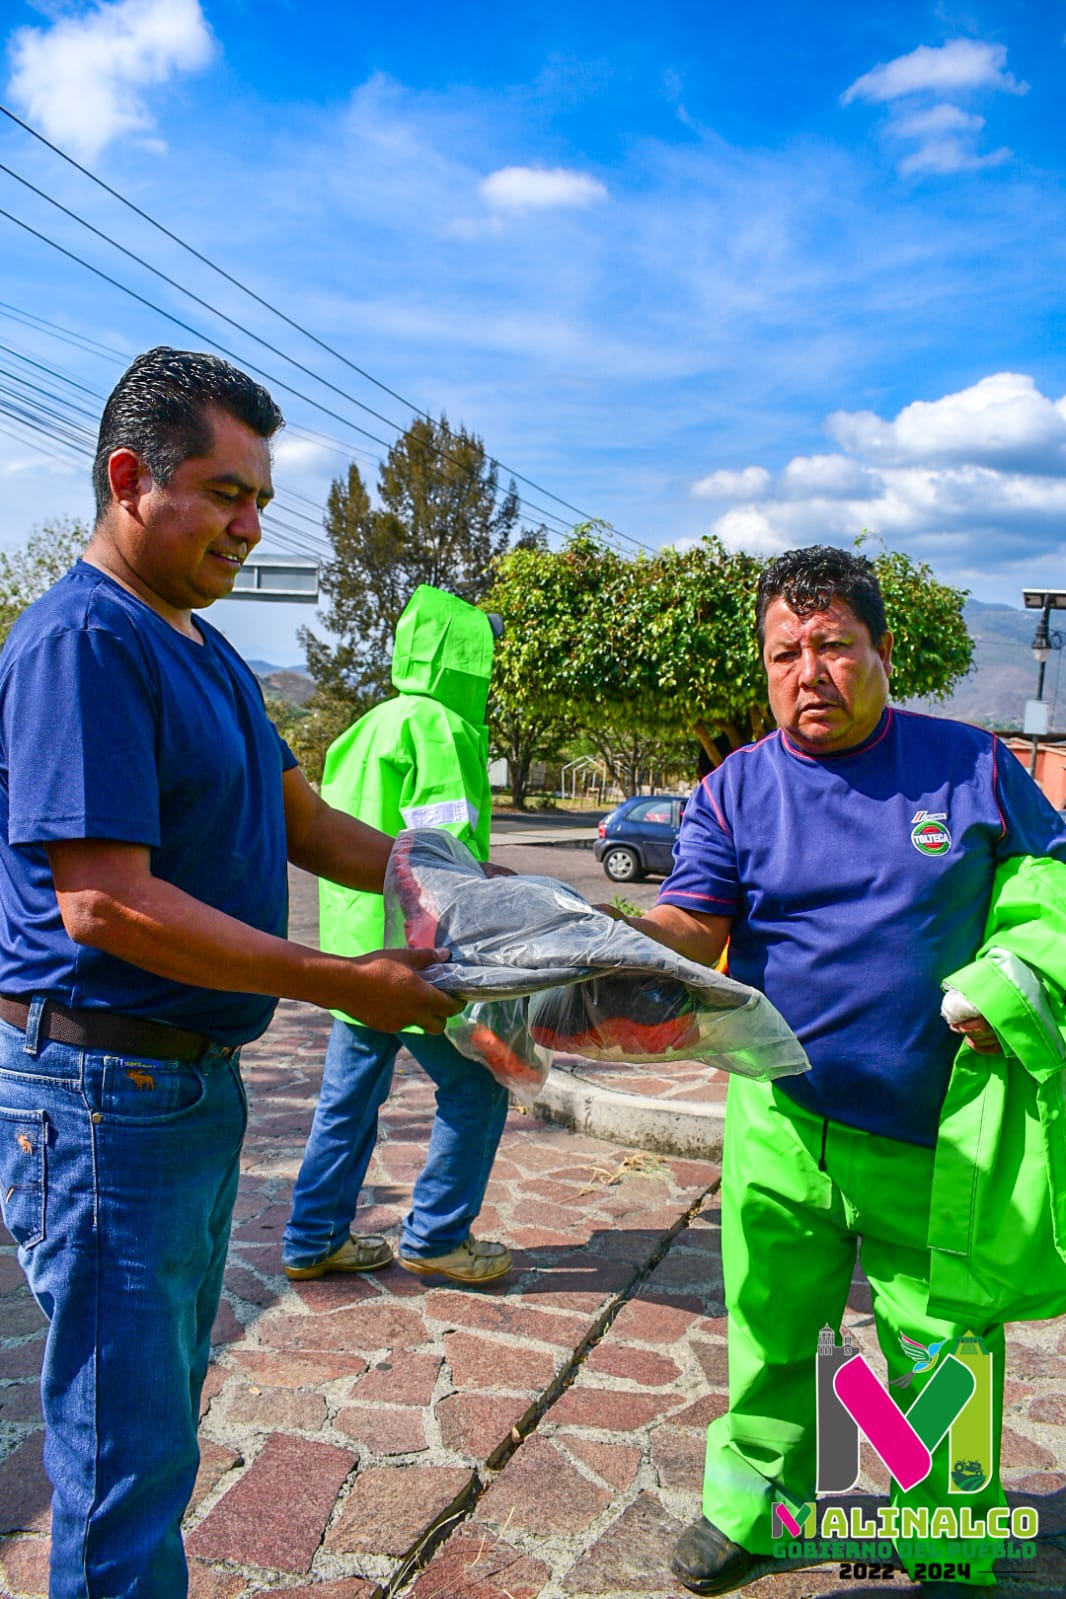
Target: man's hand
(387, 992)
(963, 1017)
(978, 1035)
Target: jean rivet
(96, 1118)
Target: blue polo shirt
(115, 726)
(856, 883)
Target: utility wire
(275, 311)
(197, 333)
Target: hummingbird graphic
(924, 1356)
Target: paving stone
(378, 1325)
(215, 1461)
(21, 1402)
(402, 1379)
(702, 1411)
(24, 1567)
(22, 1315)
(215, 1380)
(384, 1429)
(609, 1410)
(677, 1453)
(12, 1277)
(280, 1369)
(542, 1245)
(1015, 1392)
(642, 1366)
(630, 1555)
(496, 1363)
(1019, 1451)
(338, 1290)
(247, 1286)
(475, 1565)
(278, 1410)
(615, 1463)
(264, 1228)
(23, 1359)
(25, 1492)
(714, 1359)
(476, 1424)
(1027, 1362)
(343, 1588)
(206, 1583)
(512, 1315)
(1049, 1407)
(227, 1328)
(648, 1322)
(388, 1511)
(299, 1481)
(539, 1488)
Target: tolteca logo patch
(928, 833)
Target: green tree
(440, 518)
(639, 653)
(26, 573)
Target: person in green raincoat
(417, 760)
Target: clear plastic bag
(547, 975)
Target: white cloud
(950, 155)
(84, 80)
(750, 484)
(1003, 421)
(961, 64)
(937, 121)
(983, 468)
(539, 188)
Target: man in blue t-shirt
(148, 811)
(848, 860)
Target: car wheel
(622, 865)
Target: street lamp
(1045, 639)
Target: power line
(197, 333)
(289, 321)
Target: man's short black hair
(159, 408)
(810, 580)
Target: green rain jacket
(419, 760)
(997, 1229)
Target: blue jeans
(117, 1178)
(471, 1109)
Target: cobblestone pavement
(541, 1439)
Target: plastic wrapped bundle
(546, 975)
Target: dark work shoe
(706, 1561)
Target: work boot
(359, 1252)
(708, 1562)
(476, 1261)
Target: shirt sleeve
(704, 876)
(78, 720)
(1031, 825)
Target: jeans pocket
(144, 1092)
(23, 1136)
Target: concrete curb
(634, 1120)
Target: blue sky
(780, 274)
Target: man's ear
(884, 650)
(127, 475)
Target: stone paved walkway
(542, 1439)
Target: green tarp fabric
(418, 760)
(997, 1230)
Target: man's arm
(330, 843)
(694, 934)
(109, 898)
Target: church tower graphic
(838, 1436)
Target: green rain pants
(789, 1235)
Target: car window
(651, 810)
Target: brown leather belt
(107, 1030)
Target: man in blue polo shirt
(147, 813)
(848, 860)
